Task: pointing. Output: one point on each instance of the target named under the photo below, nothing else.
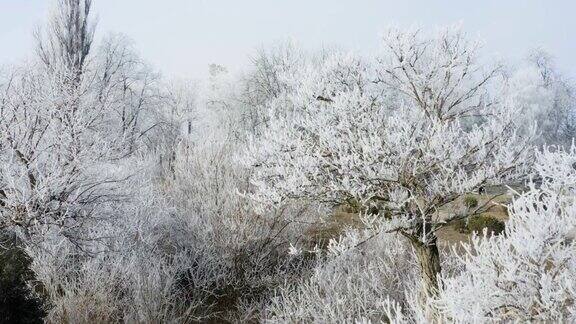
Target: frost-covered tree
(67, 39)
(66, 119)
(51, 152)
(130, 91)
(265, 80)
(408, 132)
(127, 195)
(548, 98)
(528, 273)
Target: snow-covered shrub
(215, 217)
(361, 277)
(526, 274)
(123, 270)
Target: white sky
(181, 37)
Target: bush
(349, 284)
(353, 206)
(470, 202)
(460, 226)
(478, 223)
(17, 303)
(493, 225)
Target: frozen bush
(361, 278)
(528, 273)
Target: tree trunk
(429, 261)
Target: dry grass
(344, 218)
(494, 207)
(333, 227)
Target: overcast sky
(181, 37)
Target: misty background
(182, 37)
